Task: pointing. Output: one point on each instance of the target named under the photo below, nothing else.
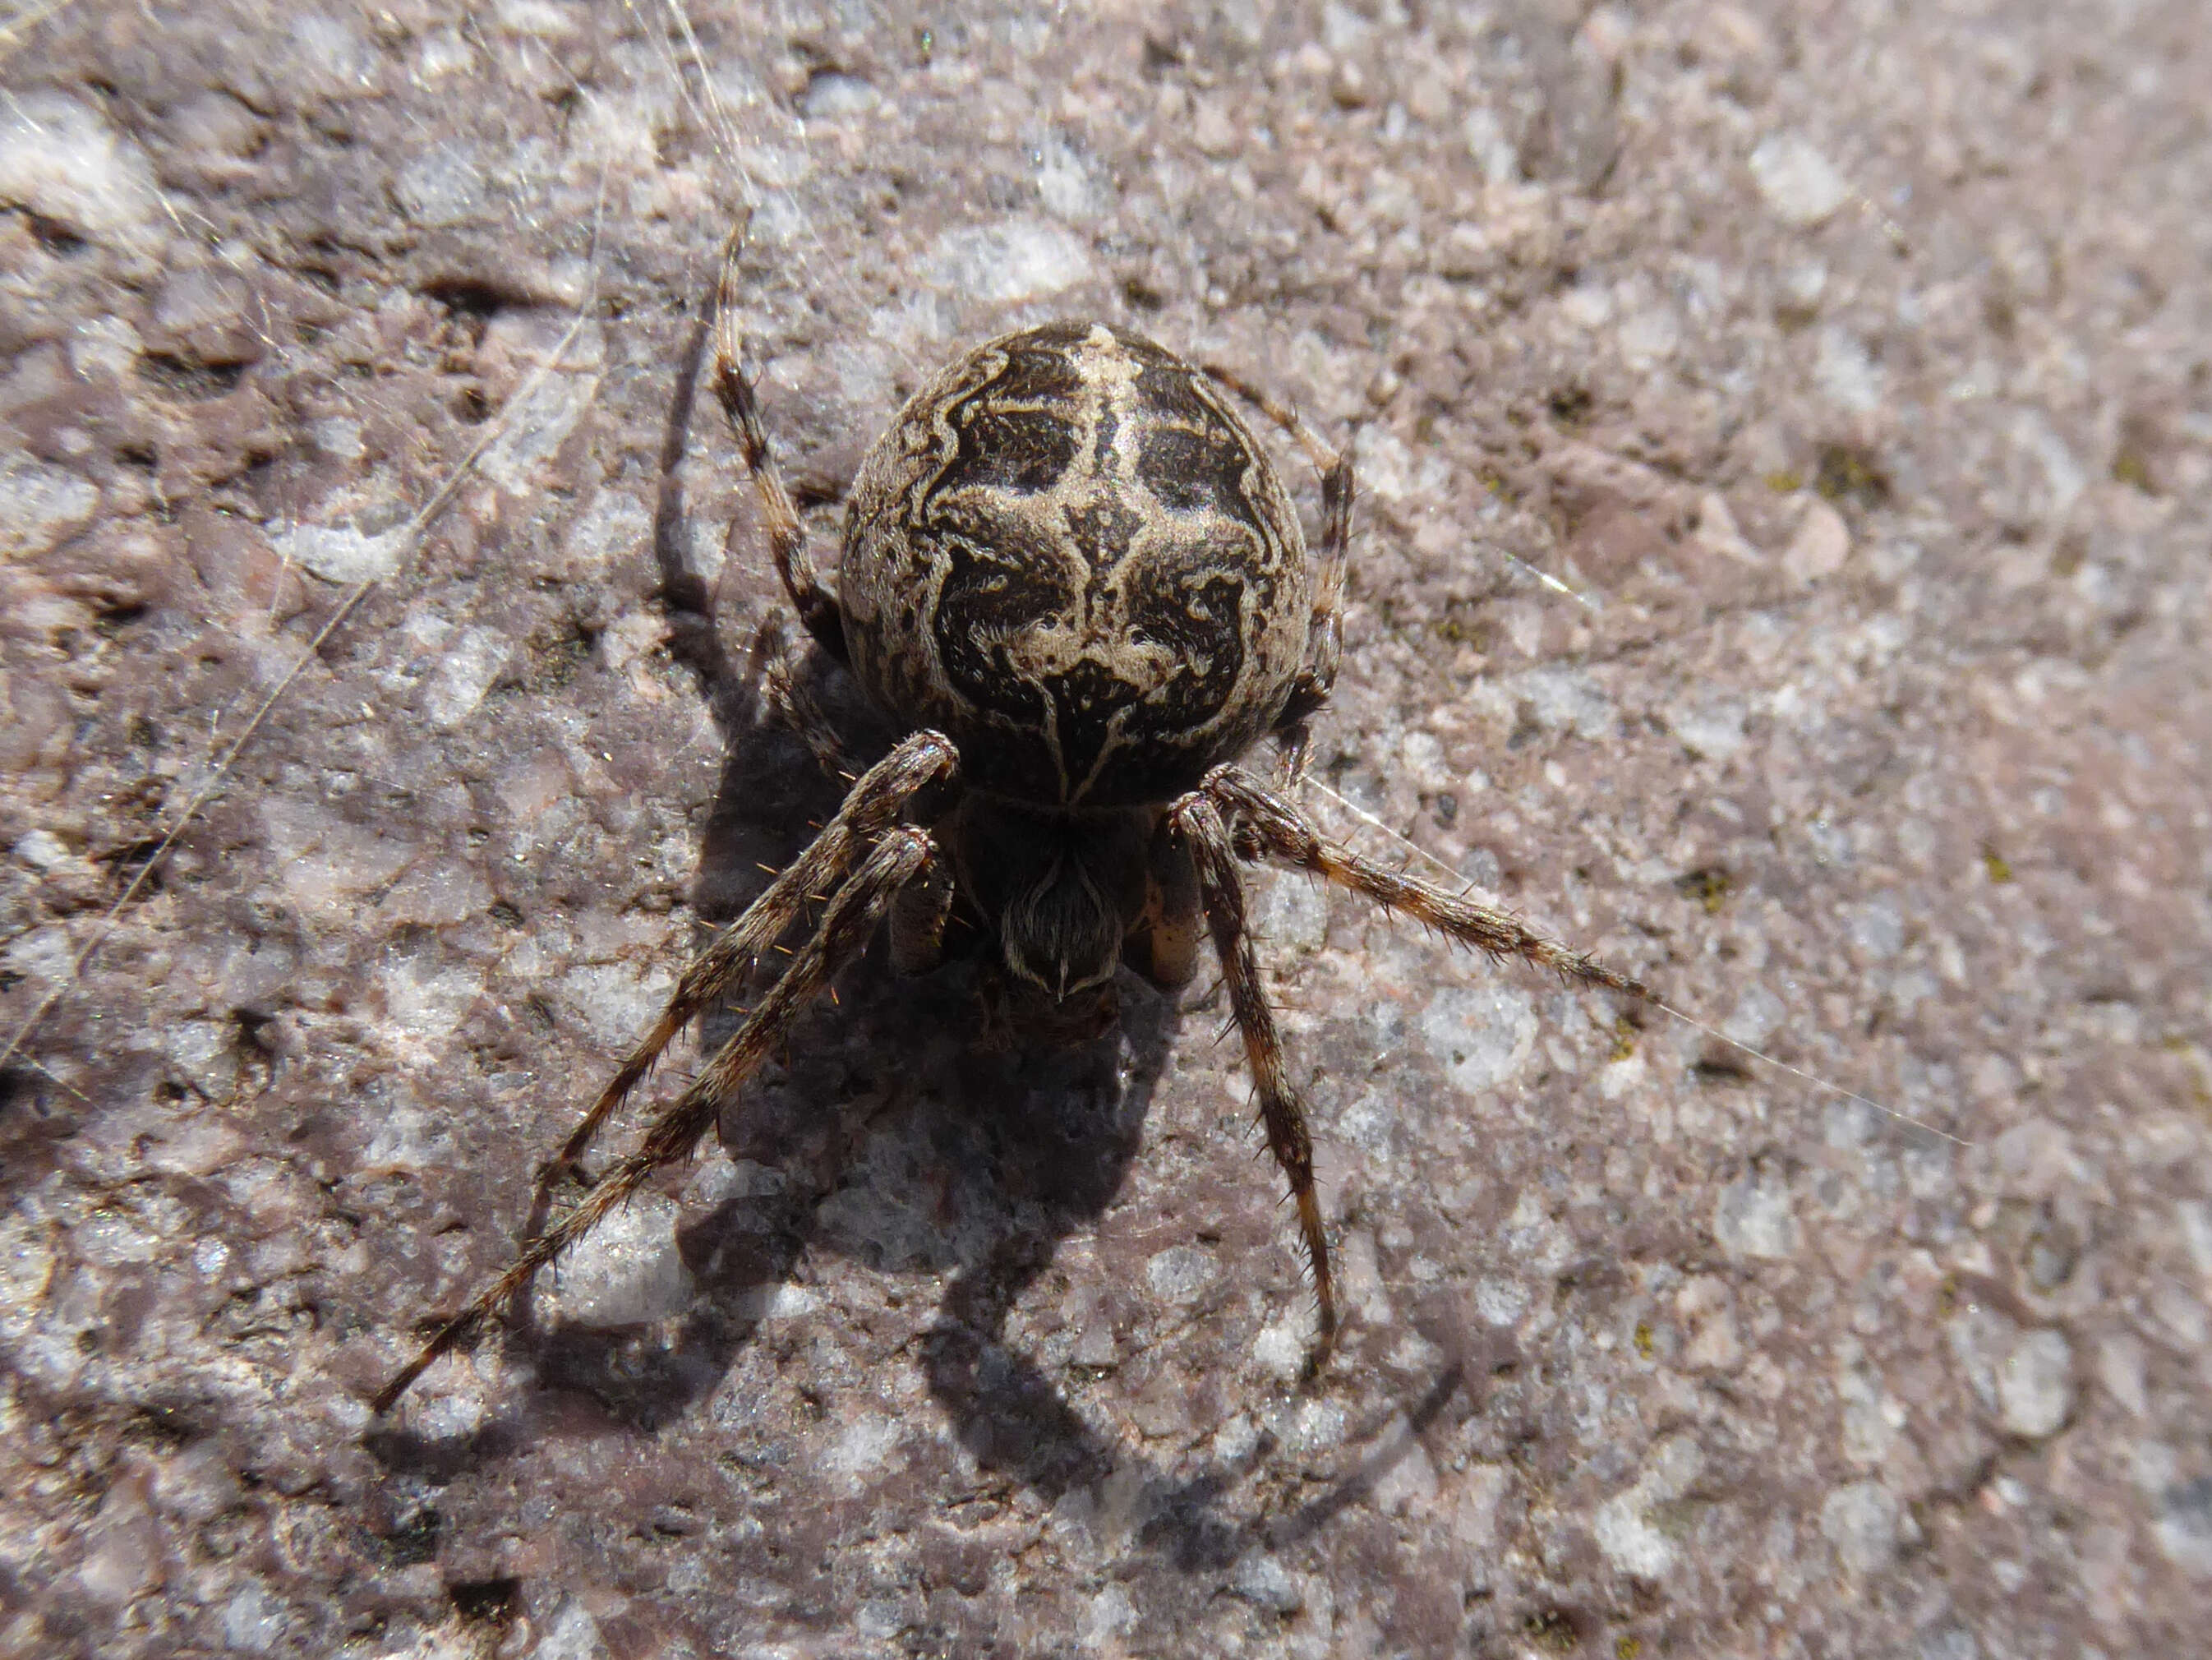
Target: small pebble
(2035, 1385)
(1821, 545)
(1753, 1217)
(1800, 185)
(626, 1271)
(1860, 1521)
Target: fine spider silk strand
(1549, 580)
(410, 539)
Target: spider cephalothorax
(1073, 578)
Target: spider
(1072, 578)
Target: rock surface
(1850, 363)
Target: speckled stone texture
(1850, 359)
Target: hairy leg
(1325, 643)
(872, 806)
(901, 855)
(816, 605)
(918, 917)
(1221, 889)
(1267, 826)
(784, 688)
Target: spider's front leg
(1267, 826)
(1221, 891)
(876, 801)
(903, 855)
(1275, 828)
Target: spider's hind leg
(875, 803)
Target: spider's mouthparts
(1063, 936)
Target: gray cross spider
(1073, 578)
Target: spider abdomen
(1070, 556)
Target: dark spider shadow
(894, 1137)
(939, 1155)
(688, 601)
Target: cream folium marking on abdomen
(1097, 562)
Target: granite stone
(1785, 441)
